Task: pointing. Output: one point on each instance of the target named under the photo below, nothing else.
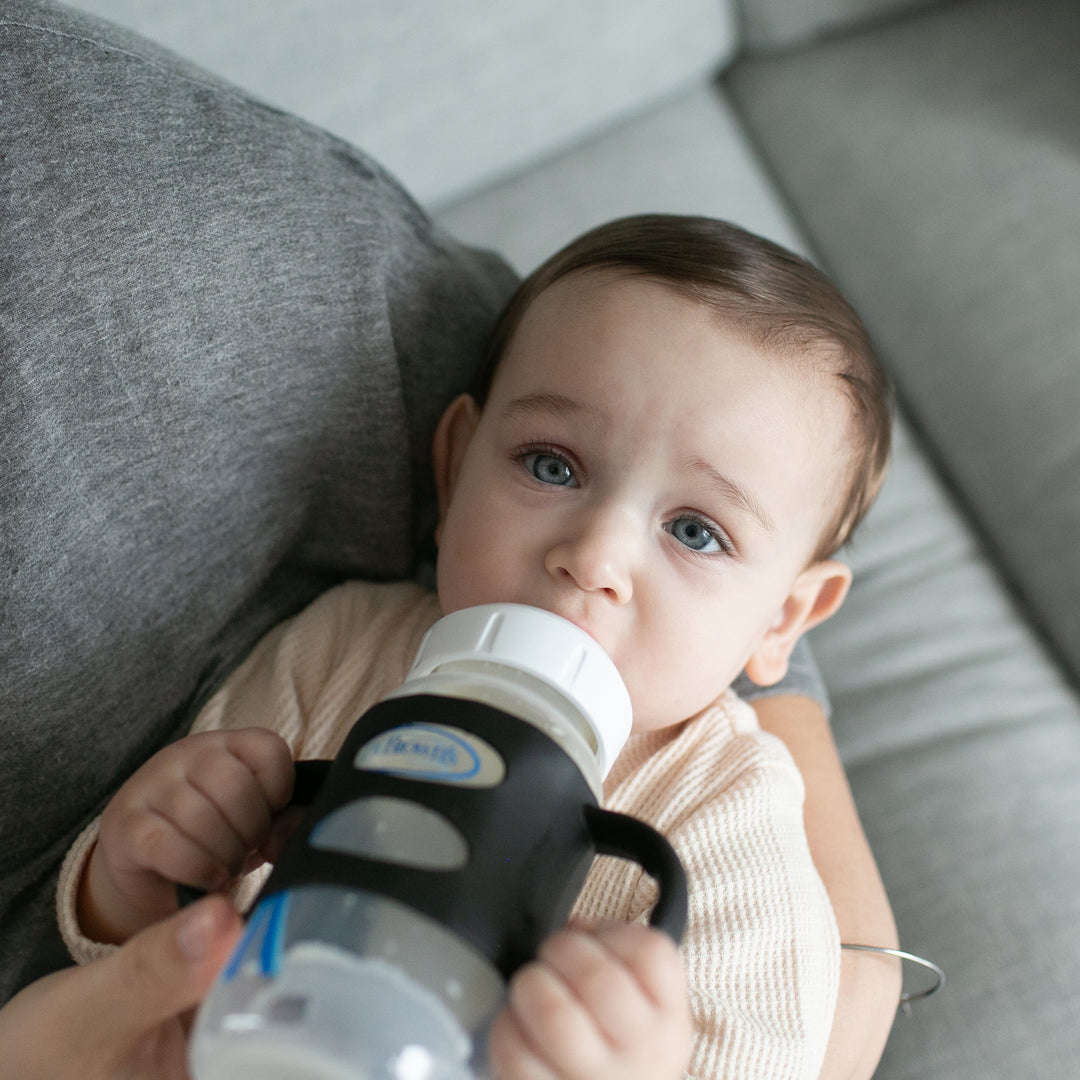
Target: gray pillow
(779, 24)
(224, 340)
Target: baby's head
(680, 424)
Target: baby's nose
(596, 558)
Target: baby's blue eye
(549, 469)
(693, 534)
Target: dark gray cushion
(224, 340)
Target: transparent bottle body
(332, 983)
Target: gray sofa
(927, 155)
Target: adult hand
(122, 1017)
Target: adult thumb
(164, 970)
(92, 1022)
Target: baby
(679, 425)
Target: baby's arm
(195, 813)
(606, 1003)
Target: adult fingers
(86, 1023)
(152, 979)
(161, 972)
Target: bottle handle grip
(612, 833)
(628, 838)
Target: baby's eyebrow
(734, 491)
(559, 405)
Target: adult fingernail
(198, 930)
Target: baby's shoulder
(717, 756)
(728, 730)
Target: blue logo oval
(432, 752)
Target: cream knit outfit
(761, 949)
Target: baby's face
(641, 470)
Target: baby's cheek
(669, 686)
(470, 574)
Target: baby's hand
(602, 1004)
(195, 813)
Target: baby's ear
(451, 439)
(817, 593)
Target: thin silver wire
(906, 1000)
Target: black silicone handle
(612, 833)
(628, 838)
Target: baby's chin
(644, 725)
(648, 717)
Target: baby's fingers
(544, 1034)
(243, 777)
(652, 960)
(610, 1003)
(158, 845)
(266, 754)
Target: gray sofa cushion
(961, 739)
(687, 155)
(934, 163)
(453, 95)
(775, 24)
(224, 341)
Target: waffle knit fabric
(761, 949)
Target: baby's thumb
(167, 968)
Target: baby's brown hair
(783, 304)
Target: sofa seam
(209, 84)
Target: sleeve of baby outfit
(307, 679)
(272, 688)
(81, 948)
(762, 946)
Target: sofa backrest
(449, 97)
(777, 24)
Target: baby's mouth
(583, 626)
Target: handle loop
(628, 838)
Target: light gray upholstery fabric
(225, 338)
(929, 645)
(448, 96)
(686, 155)
(778, 24)
(961, 739)
(936, 164)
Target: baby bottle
(450, 836)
